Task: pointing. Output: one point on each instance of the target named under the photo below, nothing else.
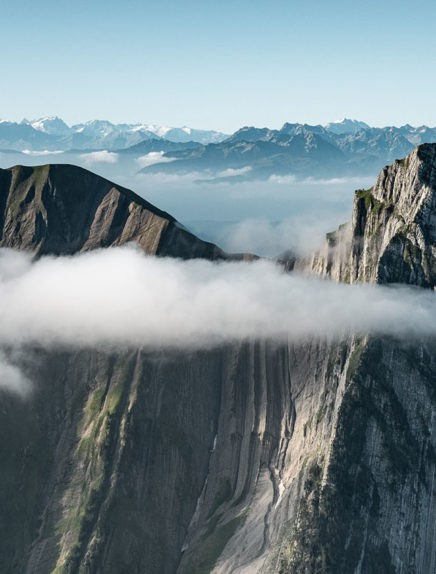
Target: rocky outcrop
(253, 457)
(392, 236)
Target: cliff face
(392, 236)
(254, 457)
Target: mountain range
(53, 134)
(314, 456)
(338, 149)
(344, 148)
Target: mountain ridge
(340, 149)
(299, 150)
(47, 211)
(53, 133)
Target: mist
(121, 297)
(12, 378)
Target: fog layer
(121, 297)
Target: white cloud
(42, 152)
(352, 181)
(13, 264)
(168, 181)
(231, 172)
(291, 179)
(120, 297)
(282, 179)
(12, 378)
(99, 157)
(152, 158)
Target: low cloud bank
(232, 172)
(120, 297)
(152, 158)
(96, 157)
(42, 152)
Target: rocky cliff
(392, 236)
(254, 457)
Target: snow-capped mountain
(52, 125)
(344, 148)
(346, 126)
(52, 133)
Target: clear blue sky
(219, 64)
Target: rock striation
(253, 457)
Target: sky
(219, 65)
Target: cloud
(42, 152)
(153, 158)
(291, 179)
(120, 297)
(12, 378)
(13, 264)
(232, 172)
(334, 181)
(282, 179)
(302, 234)
(166, 180)
(99, 157)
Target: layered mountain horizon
(48, 132)
(337, 149)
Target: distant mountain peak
(52, 125)
(346, 125)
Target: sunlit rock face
(317, 457)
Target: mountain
(386, 143)
(346, 126)
(392, 236)
(186, 134)
(347, 148)
(63, 209)
(51, 125)
(271, 154)
(21, 136)
(157, 145)
(254, 456)
(52, 133)
(421, 134)
(101, 134)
